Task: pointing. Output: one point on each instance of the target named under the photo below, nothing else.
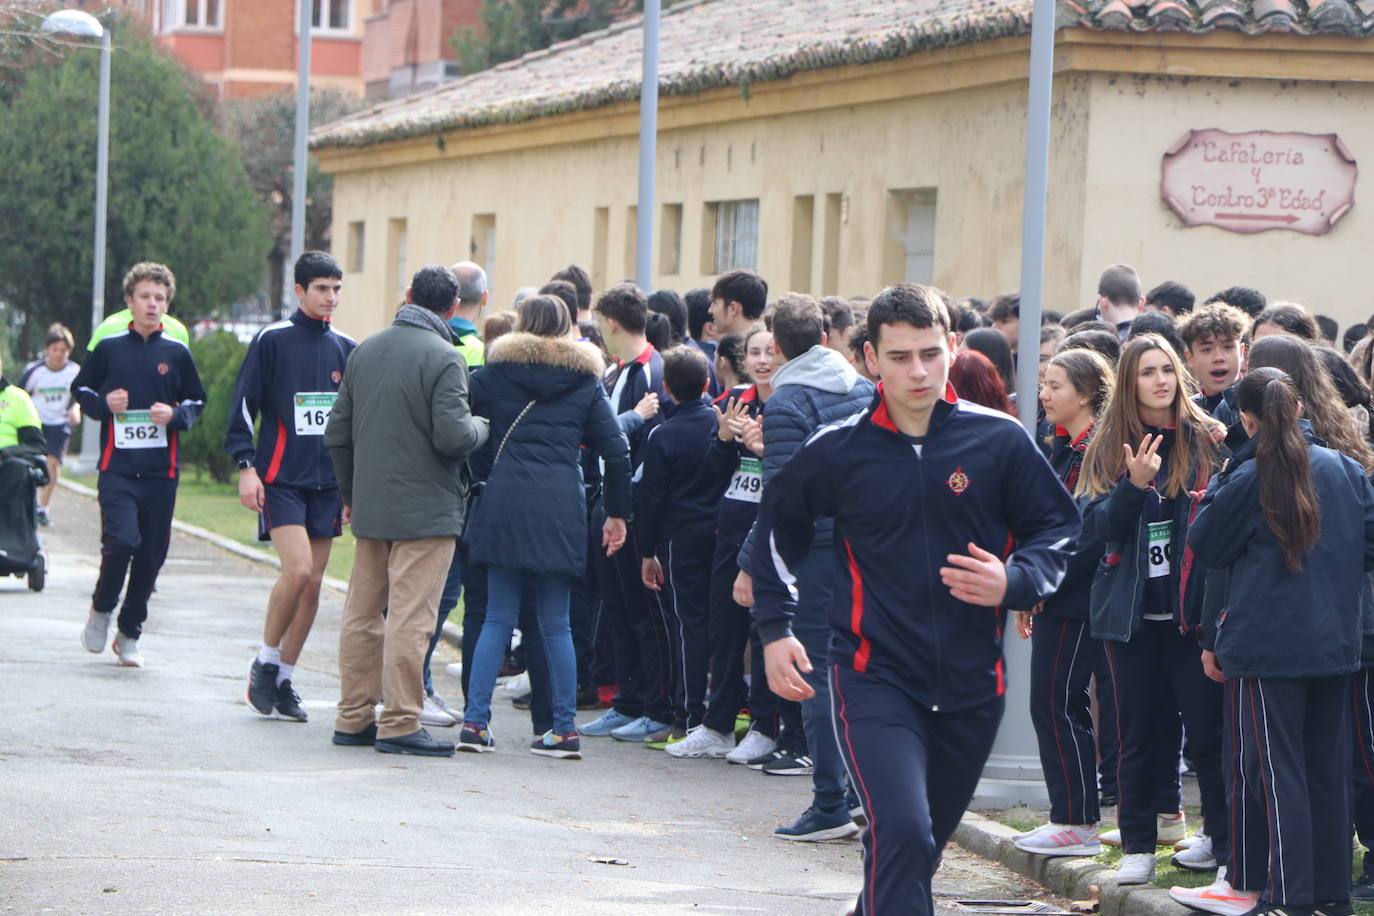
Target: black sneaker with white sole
(262, 687)
(790, 764)
(288, 702)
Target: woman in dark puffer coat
(542, 393)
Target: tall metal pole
(90, 445)
(1013, 771)
(648, 150)
(300, 163)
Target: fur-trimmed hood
(558, 352)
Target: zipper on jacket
(930, 579)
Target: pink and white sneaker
(1061, 840)
(1219, 897)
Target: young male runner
(144, 389)
(915, 483)
(290, 377)
(49, 381)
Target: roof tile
(713, 44)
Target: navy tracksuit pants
(1291, 784)
(136, 530)
(915, 771)
(1362, 715)
(729, 631)
(811, 625)
(685, 600)
(633, 617)
(1154, 677)
(1063, 655)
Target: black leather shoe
(365, 738)
(418, 742)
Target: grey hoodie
(814, 390)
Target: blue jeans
(551, 596)
(453, 589)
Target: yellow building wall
(967, 145)
(1135, 119)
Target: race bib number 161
(312, 411)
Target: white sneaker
(1061, 840)
(435, 713)
(755, 744)
(515, 686)
(1220, 897)
(97, 629)
(1170, 828)
(1168, 831)
(701, 742)
(127, 650)
(1189, 841)
(1136, 868)
(1197, 857)
(454, 669)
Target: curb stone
(1066, 876)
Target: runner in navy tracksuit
(290, 378)
(1139, 497)
(675, 510)
(1077, 385)
(914, 483)
(1294, 522)
(631, 612)
(144, 389)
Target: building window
(357, 241)
(670, 241)
(484, 243)
(397, 279)
(329, 16)
(192, 14)
(909, 247)
(803, 241)
(632, 243)
(735, 225)
(601, 228)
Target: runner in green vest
(21, 433)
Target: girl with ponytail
(1293, 522)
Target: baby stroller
(21, 552)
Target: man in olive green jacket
(399, 434)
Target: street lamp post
(84, 25)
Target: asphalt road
(159, 790)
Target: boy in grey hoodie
(814, 388)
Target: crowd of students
(785, 532)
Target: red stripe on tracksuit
(277, 451)
(856, 612)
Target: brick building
(406, 44)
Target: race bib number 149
(747, 483)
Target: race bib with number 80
(136, 429)
(747, 483)
(312, 411)
(1160, 548)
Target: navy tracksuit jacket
(139, 461)
(631, 614)
(288, 360)
(908, 660)
(676, 498)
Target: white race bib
(54, 397)
(312, 411)
(747, 483)
(1160, 548)
(136, 429)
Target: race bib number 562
(312, 411)
(136, 429)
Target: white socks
(269, 655)
(284, 673)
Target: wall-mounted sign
(1260, 180)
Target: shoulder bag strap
(506, 438)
